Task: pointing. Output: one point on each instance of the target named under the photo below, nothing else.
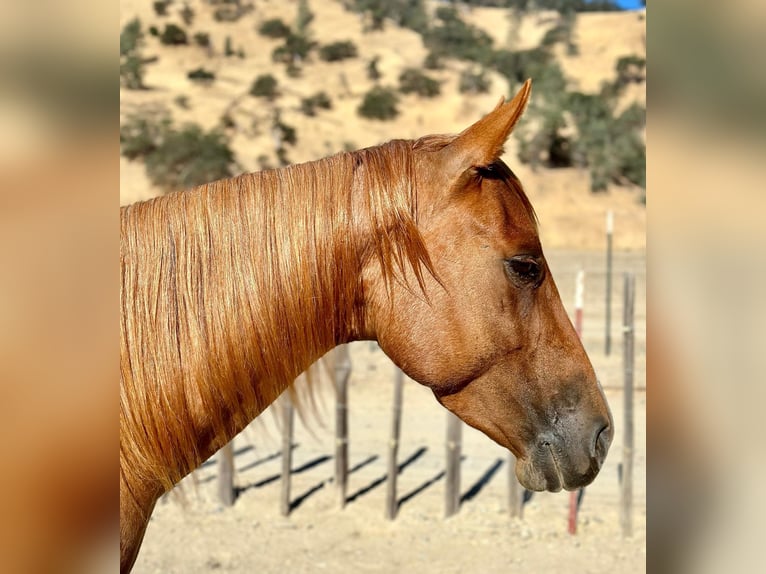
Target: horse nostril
(602, 442)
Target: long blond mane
(229, 290)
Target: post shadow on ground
(483, 481)
(378, 481)
(248, 466)
(431, 481)
(300, 499)
(297, 470)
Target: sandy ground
(198, 535)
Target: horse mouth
(543, 470)
(559, 477)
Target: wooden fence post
(515, 490)
(342, 374)
(454, 438)
(608, 334)
(393, 445)
(288, 419)
(574, 497)
(626, 508)
(226, 492)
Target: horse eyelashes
(524, 270)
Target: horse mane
(230, 289)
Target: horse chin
(545, 471)
(539, 475)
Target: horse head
(487, 331)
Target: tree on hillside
(473, 82)
(265, 86)
(413, 81)
(274, 28)
(132, 63)
(173, 35)
(372, 69)
(297, 42)
(541, 139)
(338, 51)
(304, 18)
(176, 158)
(405, 13)
(282, 134)
(566, 128)
(379, 104)
(452, 37)
(563, 32)
(295, 49)
(558, 5)
(131, 37)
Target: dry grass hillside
(570, 215)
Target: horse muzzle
(561, 457)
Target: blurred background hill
(211, 88)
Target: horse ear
(482, 143)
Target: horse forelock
(228, 291)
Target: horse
(429, 247)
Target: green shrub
(454, 38)
(201, 75)
(202, 39)
(296, 47)
(141, 134)
(414, 81)
(338, 51)
(473, 82)
(131, 37)
(522, 64)
(610, 147)
(541, 137)
(630, 69)
(231, 12)
(433, 61)
(175, 158)
(405, 13)
(372, 69)
(264, 86)
(173, 35)
(161, 7)
(187, 14)
(285, 135)
(132, 72)
(132, 64)
(312, 103)
(379, 104)
(274, 28)
(303, 18)
(189, 157)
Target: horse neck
(229, 292)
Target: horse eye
(525, 270)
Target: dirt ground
(193, 533)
